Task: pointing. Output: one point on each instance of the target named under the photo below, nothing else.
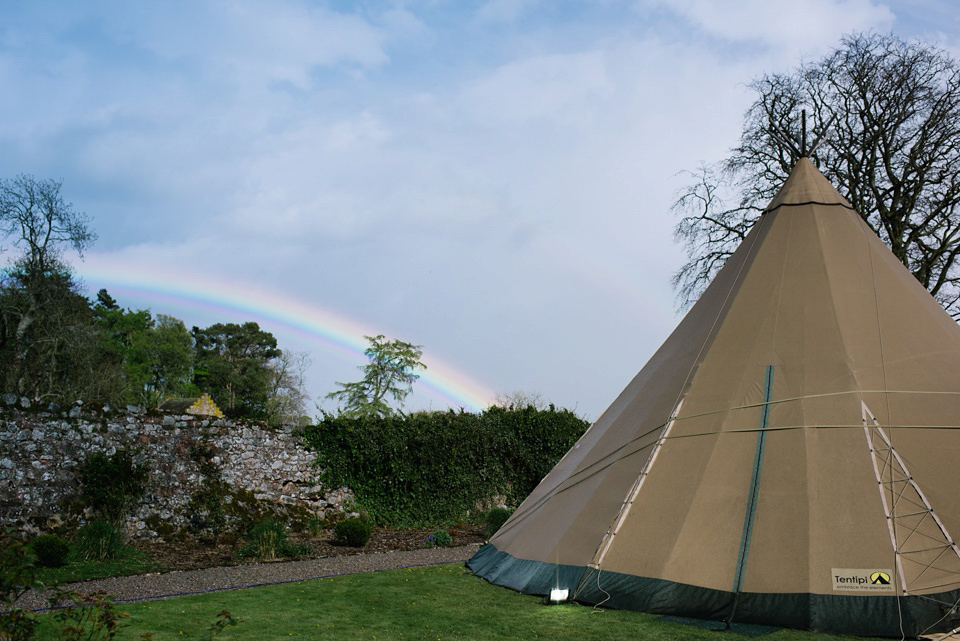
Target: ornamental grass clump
(353, 533)
(267, 540)
(495, 520)
(98, 541)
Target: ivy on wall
(435, 468)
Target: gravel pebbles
(153, 587)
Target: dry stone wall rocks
(266, 471)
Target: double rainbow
(215, 297)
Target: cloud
(555, 87)
(273, 41)
(493, 185)
(506, 11)
(807, 25)
(403, 24)
(176, 102)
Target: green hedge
(432, 468)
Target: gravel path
(153, 587)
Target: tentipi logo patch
(862, 580)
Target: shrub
(315, 525)
(222, 622)
(51, 551)
(440, 539)
(268, 540)
(98, 541)
(17, 575)
(18, 625)
(495, 520)
(91, 617)
(207, 507)
(353, 532)
(112, 484)
(396, 464)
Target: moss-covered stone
(162, 527)
(42, 452)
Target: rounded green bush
(353, 532)
(51, 551)
(440, 539)
(98, 541)
(495, 520)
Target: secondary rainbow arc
(329, 330)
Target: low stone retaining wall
(266, 471)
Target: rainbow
(214, 297)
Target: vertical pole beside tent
(752, 496)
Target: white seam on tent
(883, 497)
(892, 460)
(607, 539)
(637, 485)
(594, 469)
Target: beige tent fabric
(814, 293)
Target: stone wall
(267, 472)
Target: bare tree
(287, 399)
(38, 287)
(518, 399)
(40, 221)
(888, 114)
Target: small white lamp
(559, 595)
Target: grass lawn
(131, 561)
(433, 604)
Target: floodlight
(558, 595)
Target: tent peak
(806, 185)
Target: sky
(490, 180)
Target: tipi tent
(789, 456)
